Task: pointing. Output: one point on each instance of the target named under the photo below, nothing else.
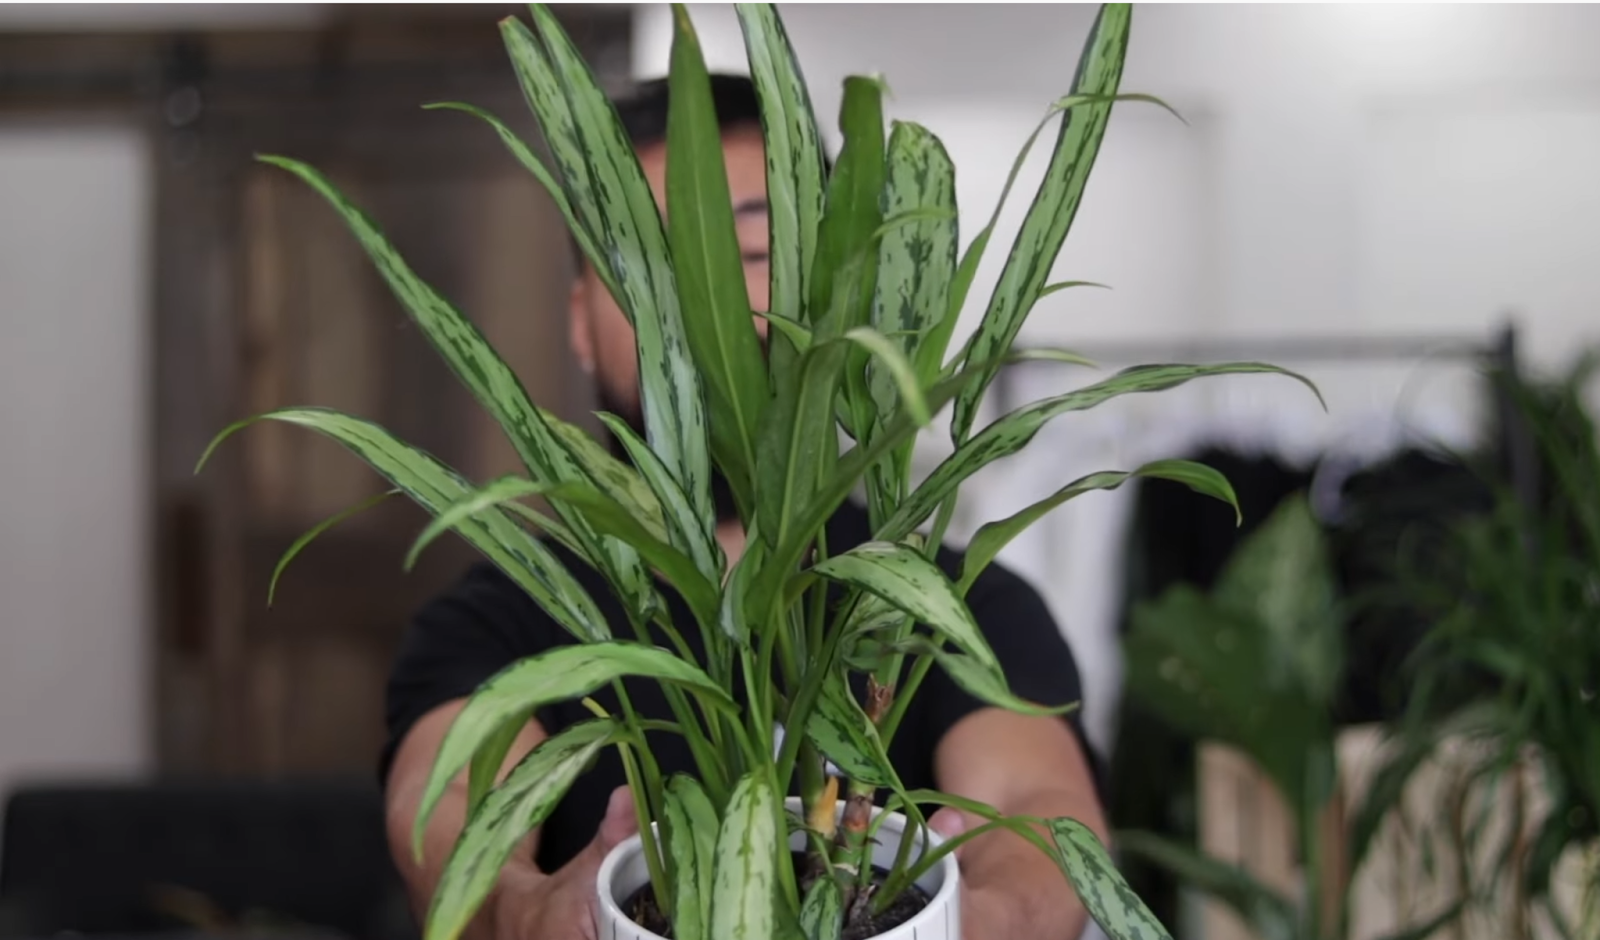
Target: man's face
(601, 336)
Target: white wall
(1346, 169)
(75, 263)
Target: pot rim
(941, 901)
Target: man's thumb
(949, 823)
(619, 823)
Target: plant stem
(646, 799)
(897, 711)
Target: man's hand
(531, 905)
(1022, 766)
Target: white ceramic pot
(623, 872)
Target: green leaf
(916, 262)
(822, 911)
(435, 488)
(1270, 915)
(1051, 355)
(530, 160)
(794, 158)
(616, 479)
(994, 536)
(797, 442)
(300, 543)
(481, 369)
(852, 214)
(1050, 217)
(691, 825)
(607, 516)
(766, 587)
(706, 258)
(557, 675)
(512, 810)
(689, 532)
(744, 895)
(895, 370)
(1098, 884)
(486, 763)
(1011, 433)
(733, 617)
(843, 732)
(600, 172)
(490, 496)
(981, 680)
(1049, 289)
(907, 579)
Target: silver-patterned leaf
(506, 816)
(745, 891)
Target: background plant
(1512, 662)
(866, 285)
(1257, 664)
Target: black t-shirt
(485, 623)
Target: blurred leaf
(687, 531)
(1270, 915)
(311, 534)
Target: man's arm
(407, 780)
(1021, 765)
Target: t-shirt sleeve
(454, 643)
(1037, 661)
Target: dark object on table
(302, 859)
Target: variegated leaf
(688, 531)
(691, 824)
(600, 172)
(908, 580)
(557, 675)
(484, 373)
(916, 262)
(512, 810)
(794, 157)
(1013, 432)
(706, 258)
(1098, 884)
(843, 732)
(994, 536)
(745, 890)
(982, 681)
(435, 488)
(1045, 227)
(822, 911)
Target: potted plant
(866, 285)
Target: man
(948, 740)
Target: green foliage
(1256, 664)
(866, 288)
(1512, 662)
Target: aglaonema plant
(867, 280)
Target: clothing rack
(1497, 352)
